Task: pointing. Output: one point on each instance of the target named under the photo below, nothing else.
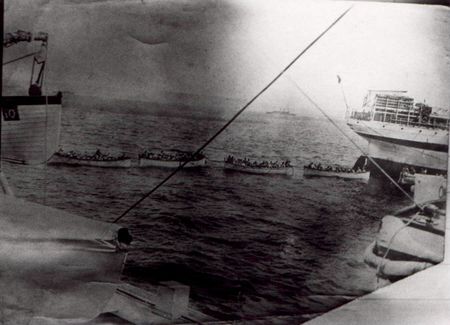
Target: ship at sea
(283, 112)
(402, 133)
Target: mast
(347, 109)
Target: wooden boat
(171, 159)
(146, 162)
(259, 170)
(313, 172)
(419, 244)
(112, 162)
(412, 238)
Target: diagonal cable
(19, 58)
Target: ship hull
(281, 114)
(394, 169)
(30, 128)
(395, 146)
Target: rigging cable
(20, 58)
(233, 118)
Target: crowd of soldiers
(170, 156)
(337, 169)
(255, 164)
(97, 156)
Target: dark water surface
(249, 246)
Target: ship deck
(423, 298)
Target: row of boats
(171, 159)
(408, 240)
(175, 158)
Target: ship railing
(422, 125)
(362, 116)
(367, 116)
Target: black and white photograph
(224, 162)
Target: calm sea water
(249, 246)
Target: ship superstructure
(402, 133)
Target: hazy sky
(148, 49)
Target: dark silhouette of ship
(283, 112)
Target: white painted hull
(400, 132)
(61, 160)
(392, 268)
(324, 173)
(35, 137)
(411, 248)
(260, 171)
(394, 146)
(412, 241)
(405, 155)
(143, 162)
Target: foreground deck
(420, 299)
